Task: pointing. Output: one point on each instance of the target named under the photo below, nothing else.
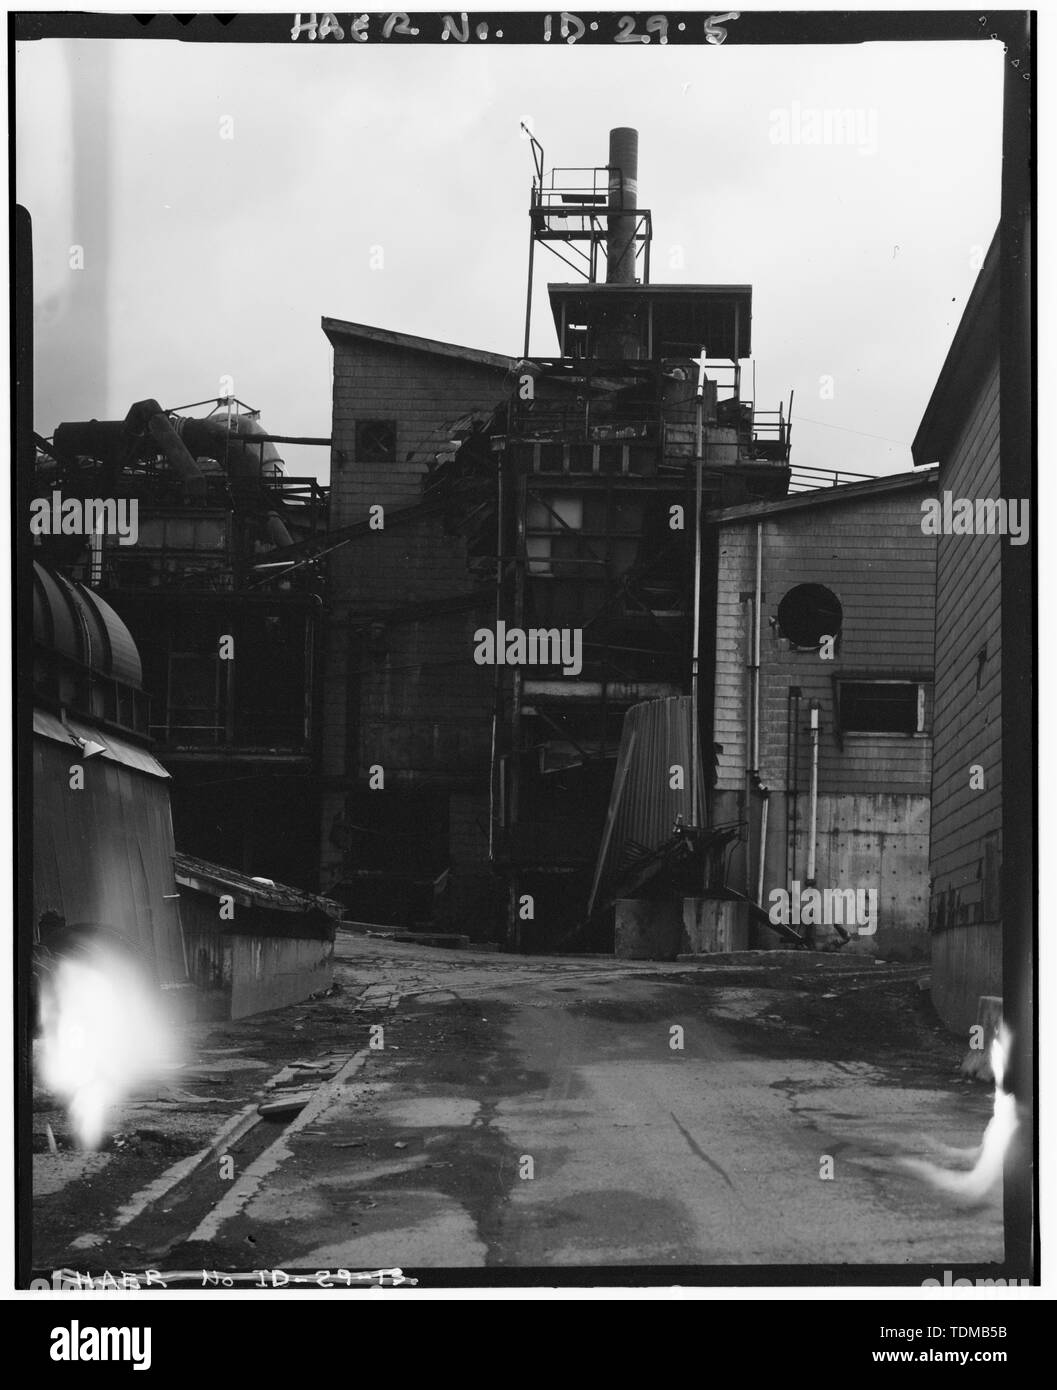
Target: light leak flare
(973, 1185)
(104, 1033)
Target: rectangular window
(194, 716)
(375, 441)
(549, 523)
(882, 707)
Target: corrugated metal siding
(104, 854)
(643, 806)
(123, 661)
(78, 623)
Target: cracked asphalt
(571, 1112)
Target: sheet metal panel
(115, 748)
(103, 854)
(644, 807)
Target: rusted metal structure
(541, 496)
(226, 620)
(613, 450)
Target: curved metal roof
(77, 623)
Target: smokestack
(623, 199)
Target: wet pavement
(482, 1110)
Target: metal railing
(805, 478)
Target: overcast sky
(207, 257)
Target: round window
(808, 613)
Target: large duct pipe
(623, 200)
(243, 447)
(148, 417)
(240, 445)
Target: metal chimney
(623, 200)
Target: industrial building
(554, 639)
(478, 500)
(229, 640)
(960, 431)
(824, 704)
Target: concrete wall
(251, 971)
(241, 975)
(870, 842)
(873, 807)
(268, 972)
(966, 865)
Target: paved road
(535, 1113)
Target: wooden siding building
(960, 431)
(402, 694)
(451, 788)
(850, 563)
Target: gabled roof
(341, 328)
(828, 496)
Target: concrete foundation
(977, 1061)
(647, 930)
(714, 924)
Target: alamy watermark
(77, 1343)
(844, 907)
(948, 515)
(85, 516)
(534, 646)
(855, 127)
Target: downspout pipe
(793, 789)
(765, 794)
(695, 663)
(812, 828)
(754, 751)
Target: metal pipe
(756, 604)
(95, 546)
(695, 660)
(147, 417)
(793, 791)
(766, 795)
(623, 199)
(813, 800)
(528, 292)
(497, 687)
